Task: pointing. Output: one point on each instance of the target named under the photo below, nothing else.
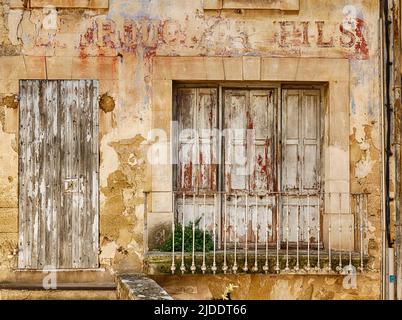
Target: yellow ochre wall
(124, 47)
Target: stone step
(13, 294)
(61, 276)
(70, 284)
(60, 286)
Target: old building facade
(251, 130)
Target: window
(249, 158)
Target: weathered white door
(58, 174)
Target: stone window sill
(157, 262)
(283, 5)
(86, 4)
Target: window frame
(278, 87)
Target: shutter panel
(197, 143)
(206, 119)
(291, 140)
(186, 100)
(310, 140)
(235, 126)
(262, 163)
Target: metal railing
(274, 232)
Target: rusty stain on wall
(10, 101)
(106, 103)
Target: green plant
(188, 239)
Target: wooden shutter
(197, 142)
(58, 174)
(301, 160)
(249, 130)
(262, 120)
(196, 172)
(235, 131)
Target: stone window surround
(16, 68)
(333, 72)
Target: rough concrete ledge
(134, 286)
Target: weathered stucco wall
(268, 287)
(117, 45)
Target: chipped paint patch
(121, 196)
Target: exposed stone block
(233, 68)
(59, 67)
(251, 68)
(90, 4)
(284, 5)
(102, 68)
(8, 220)
(212, 4)
(134, 286)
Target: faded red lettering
(347, 35)
(285, 34)
(320, 36)
(305, 25)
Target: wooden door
(58, 174)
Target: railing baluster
(329, 268)
(355, 221)
(361, 204)
(183, 267)
(350, 243)
(234, 268)
(214, 268)
(193, 268)
(287, 234)
(204, 267)
(266, 267)
(255, 268)
(365, 196)
(318, 266)
(173, 267)
(308, 233)
(245, 268)
(225, 266)
(298, 232)
(339, 268)
(277, 267)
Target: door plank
(56, 174)
(93, 223)
(67, 243)
(23, 173)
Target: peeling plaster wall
(117, 46)
(262, 287)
